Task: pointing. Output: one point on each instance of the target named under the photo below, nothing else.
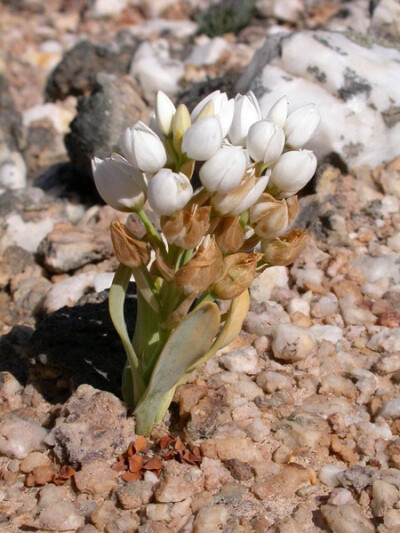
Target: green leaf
(231, 329)
(187, 344)
(116, 307)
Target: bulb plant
(210, 240)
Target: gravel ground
(293, 428)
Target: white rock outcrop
(354, 82)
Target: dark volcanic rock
(77, 71)
(113, 106)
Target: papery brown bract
(271, 217)
(283, 250)
(166, 271)
(202, 271)
(238, 274)
(229, 234)
(130, 251)
(186, 228)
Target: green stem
(152, 233)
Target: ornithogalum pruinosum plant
(210, 241)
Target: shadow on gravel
(77, 345)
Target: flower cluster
(223, 180)
(250, 168)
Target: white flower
(238, 200)
(120, 184)
(203, 139)
(165, 111)
(265, 141)
(300, 125)
(278, 112)
(247, 111)
(223, 109)
(143, 148)
(225, 169)
(168, 191)
(293, 171)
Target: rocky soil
(293, 428)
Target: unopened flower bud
(225, 169)
(238, 274)
(130, 251)
(271, 217)
(202, 270)
(180, 123)
(278, 112)
(168, 191)
(283, 250)
(187, 227)
(223, 108)
(143, 148)
(238, 200)
(165, 111)
(300, 125)
(292, 172)
(265, 141)
(119, 184)
(247, 111)
(203, 139)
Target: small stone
(19, 437)
(239, 470)
(263, 285)
(33, 460)
(392, 519)
(303, 429)
(97, 478)
(207, 52)
(215, 474)
(258, 430)
(388, 363)
(340, 496)
(324, 306)
(328, 475)
(299, 305)
(324, 332)
(93, 424)
(271, 381)
(180, 482)
(158, 511)
(68, 291)
(51, 494)
(384, 496)
(135, 494)
(284, 484)
(391, 409)
(231, 448)
(338, 385)
(292, 343)
(10, 392)
(348, 518)
(104, 513)
(60, 516)
(242, 360)
(211, 518)
(385, 340)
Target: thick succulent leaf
(231, 329)
(187, 344)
